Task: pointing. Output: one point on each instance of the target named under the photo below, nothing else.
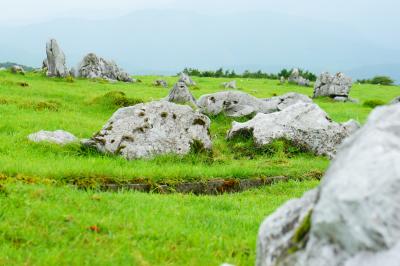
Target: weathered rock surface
(45, 64)
(60, 137)
(395, 100)
(17, 70)
(160, 83)
(237, 104)
(154, 128)
(180, 93)
(93, 66)
(55, 60)
(355, 218)
(332, 86)
(230, 85)
(304, 124)
(186, 79)
(295, 78)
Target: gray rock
(17, 70)
(237, 104)
(395, 100)
(72, 72)
(154, 128)
(180, 93)
(282, 80)
(295, 78)
(45, 64)
(355, 220)
(55, 60)
(230, 85)
(304, 124)
(160, 83)
(186, 79)
(58, 137)
(93, 67)
(332, 86)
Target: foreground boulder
(180, 93)
(395, 100)
(186, 79)
(354, 219)
(17, 70)
(230, 85)
(303, 124)
(332, 86)
(154, 128)
(60, 137)
(237, 104)
(55, 60)
(295, 78)
(93, 67)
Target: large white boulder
(304, 124)
(93, 67)
(55, 60)
(338, 85)
(154, 128)
(60, 137)
(237, 104)
(355, 217)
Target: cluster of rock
(17, 70)
(154, 128)
(303, 124)
(296, 78)
(337, 86)
(353, 217)
(91, 66)
(238, 104)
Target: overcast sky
(356, 11)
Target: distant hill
(165, 42)
(9, 64)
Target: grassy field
(79, 108)
(45, 221)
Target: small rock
(186, 79)
(230, 85)
(295, 78)
(180, 93)
(58, 137)
(160, 83)
(17, 70)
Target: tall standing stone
(55, 60)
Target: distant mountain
(10, 64)
(165, 42)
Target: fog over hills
(154, 41)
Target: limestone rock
(395, 100)
(186, 79)
(58, 137)
(230, 85)
(154, 128)
(180, 93)
(355, 218)
(17, 70)
(93, 67)
(45, 64)
(332, 86)
(295, 78)
(237, 104)
(160, 83)
(55, 60)
(282, 80)
(304, 124)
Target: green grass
(81, 108)
(47, 225)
